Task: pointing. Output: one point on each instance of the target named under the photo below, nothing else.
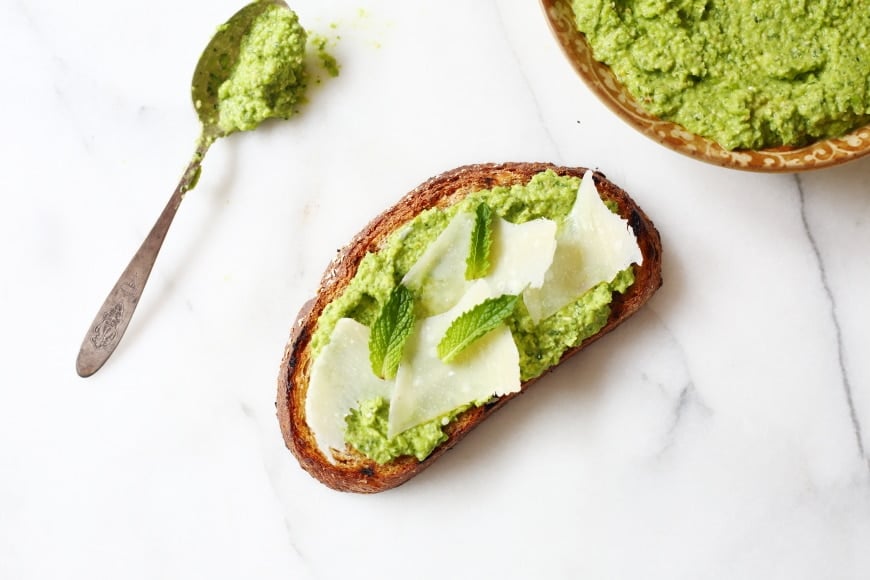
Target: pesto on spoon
(252, 70)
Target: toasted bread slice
(353, 471)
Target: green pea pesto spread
(747, 74)
(269, 79)
(367, 433)
(540, 345)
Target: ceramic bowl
(599, 78)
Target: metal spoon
(214, 67)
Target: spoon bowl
(218, 61)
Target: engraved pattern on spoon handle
(111, 321)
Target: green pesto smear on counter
(541, 345)
(747, 74)
(269, 79)
(327, 61)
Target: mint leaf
(474, 324)
(477, 262)
(390, 331)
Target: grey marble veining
(835, 320)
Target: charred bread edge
(356, 473)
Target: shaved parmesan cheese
(426, 387)
(593, 246)
(438, 277)
(341, 378)
(521, 254)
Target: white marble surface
(724, 432)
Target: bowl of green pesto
(767, 85)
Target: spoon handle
(114, 315)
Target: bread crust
(355, 473)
